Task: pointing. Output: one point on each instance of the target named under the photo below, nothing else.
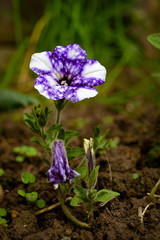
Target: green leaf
(75, 201)
(112, 143)
(97, 132)
(3, 212)
(3, 221)
(95, 143)
(18, 149)
(49, 137)
(154, 39)
(28, 177)
(19, 159)
(74, 152)
(48, 149)
(82, 171)
(31, 151)
(40, 203)
(10, 99)
(28, 151)
(45, 160)
(92, 179)
(54, 128)
(46, 111)
(32, 197)
(32, 126)
(22, 193)
(28, 116)
(105, 195)
(70, 134)
(135, 175)
(35, 140)
(80, 192)
(92, 194)
(1, 172)
(61, 134)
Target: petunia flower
(67, 73)
(60, 172)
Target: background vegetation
(113, 32)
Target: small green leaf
(97, 132)
(40, 203)
(45, 160)
(25, 150)
(83, 173)
(95, 143)
(74, 152)
(33, 126)
(55, 128)
(28, 116)
(70, 134)
(31, 151)
(46, 111)
(80, 192)
(22, 193)
(48, 149)
(92, 179)
(32, 197)
(35, 140)
(19, 159)
(3, 212)
(61, 134)
(28, 178)
(135, 175)
(105, 195)
(75, 201)
(154, 39)
(1, 172)
(92, 194)
(3, 222)
(112, 143)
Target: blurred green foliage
(113, 32)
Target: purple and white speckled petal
(60, 172)
(75, 94)
(93, 69)
(40, 63)
(72, 51)
(86, 82)
(49, 88)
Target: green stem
(72, 218)
(59, 106)
(90, 208)
(61, 197)
(58, 116)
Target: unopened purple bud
(60, 172)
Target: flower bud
(90, 154)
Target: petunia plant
(67, 75)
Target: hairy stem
(72, 218)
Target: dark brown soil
(118, 219)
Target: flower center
(64, 81)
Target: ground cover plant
(106, 185)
